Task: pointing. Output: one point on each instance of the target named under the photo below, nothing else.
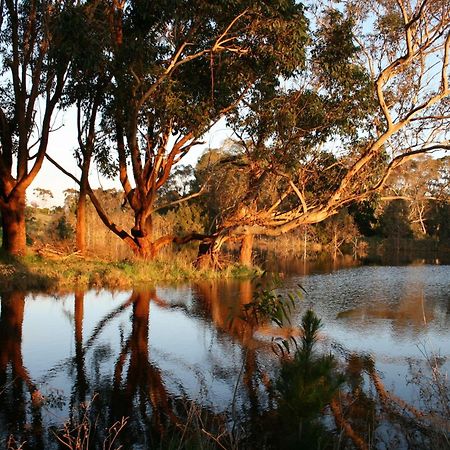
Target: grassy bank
(35, 273)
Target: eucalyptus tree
(282, 138)
(374, 96)
(33, 73)
(175, 69)
(420, 183)
(86, 91)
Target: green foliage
(64, 230)
(311, 325)
(184, 219)
(364, 216)
(439, 218)
(306, 384)
(306, 387)
(285, 126)
(346, 81)
(197, 91)
(394, 221)
(225, 174)
(268, 305)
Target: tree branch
(181, 200)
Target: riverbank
(35, 273)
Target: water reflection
(412, 311)
(140, 386)
(151, 355)
(80, 388)
(20, 399)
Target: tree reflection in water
(141, 389)
(313, 400)
(80, 387)
(20, 400)
(137, 390)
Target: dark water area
(157, 355)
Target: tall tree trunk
(81, 221)
(13, 225)
(145, 249)
(245, 256)
(142, 233)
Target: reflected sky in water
(178, 342)
(395, 314)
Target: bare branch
(182, 200)
(299, 195)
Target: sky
(61, 147)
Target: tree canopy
(372, 96)
(174, 70)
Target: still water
(150, 354)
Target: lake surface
(150, 354)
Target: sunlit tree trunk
(145, 247)
(81, 220)
(335, 243)
(13, 224)
(420, 211)
(86, 144)
(34, 82)
(246, 250)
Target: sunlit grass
(40, 274)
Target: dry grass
(76, 435)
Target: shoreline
(37, 274)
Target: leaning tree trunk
(13, 225)
(245, 256)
